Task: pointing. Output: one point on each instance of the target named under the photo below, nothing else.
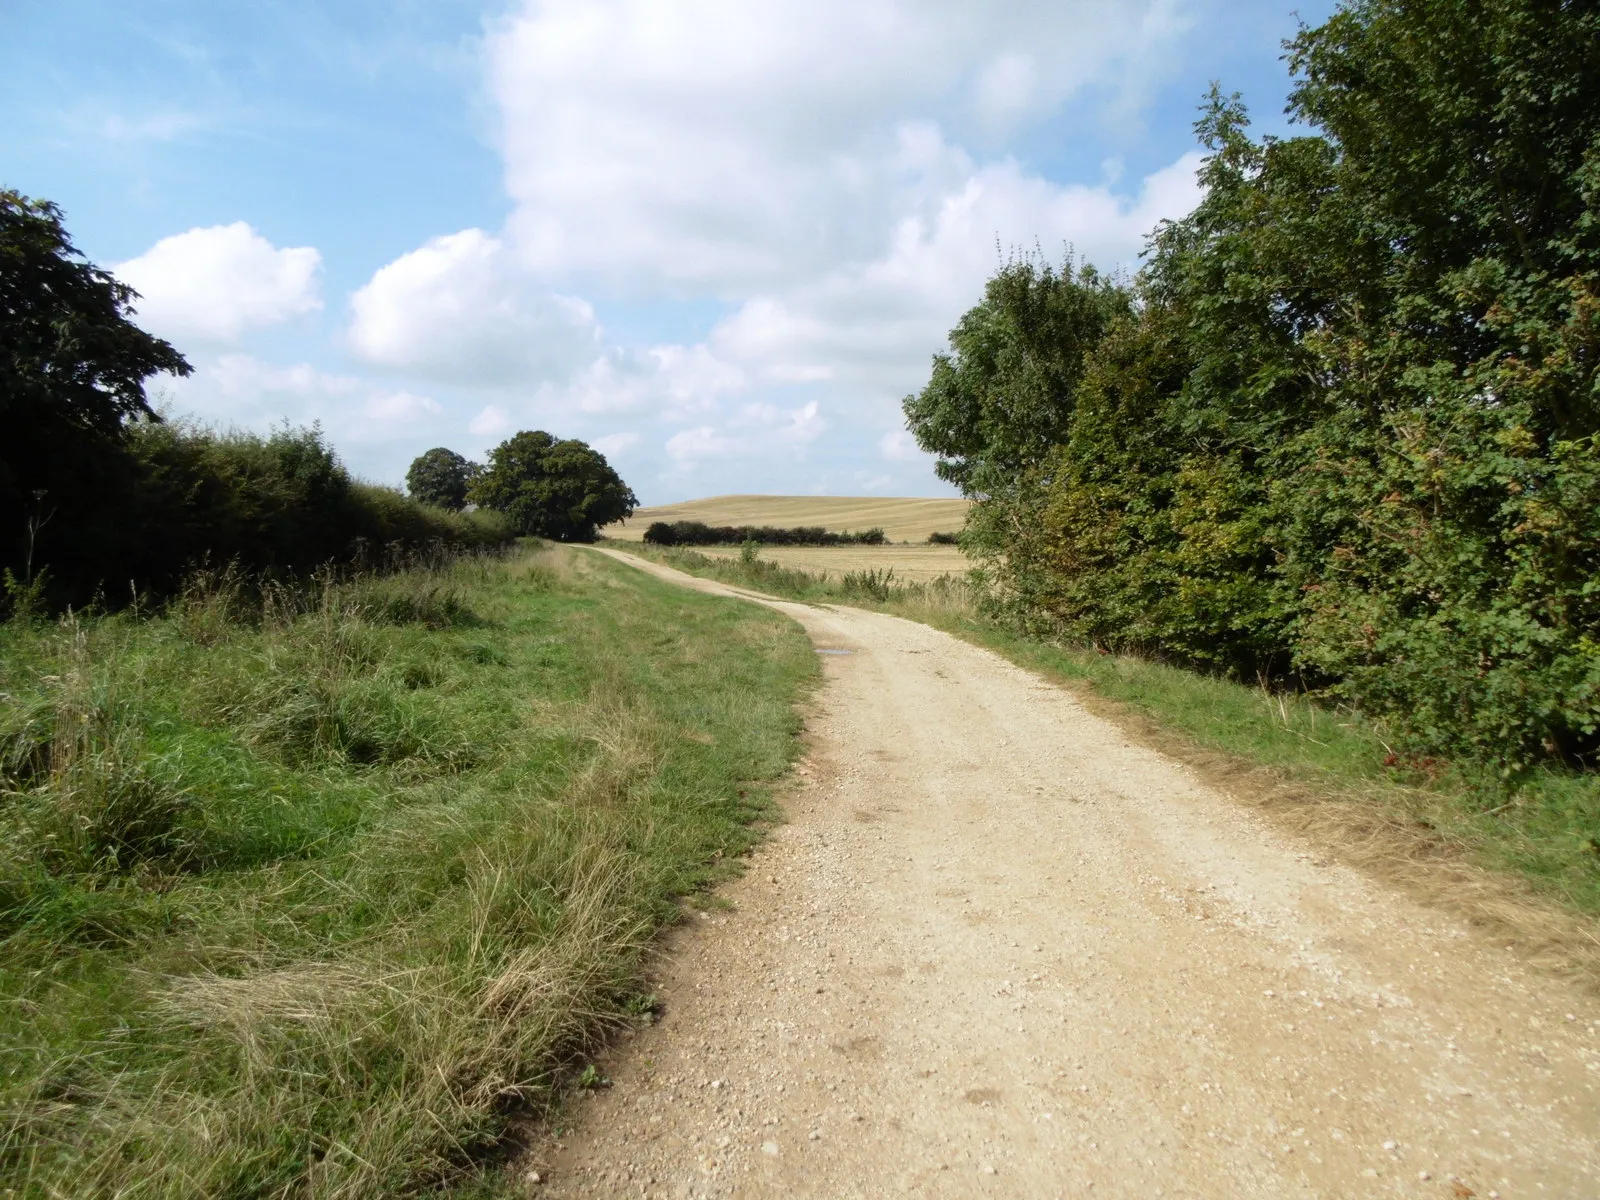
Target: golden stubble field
(902, 519)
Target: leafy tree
(441, 478)
(1004, 395)
(72, 372)
(1350, 423)
(1439, 520)
(71, 355)
(552, 488)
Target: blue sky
(719, 238)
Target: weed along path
(1001, 951)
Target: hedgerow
(169, 497)
(1341, 428)
(698, 533)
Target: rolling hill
(902, 518)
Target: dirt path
(999, 951)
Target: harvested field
(910, 563)
(902, 518)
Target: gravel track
(998, 950)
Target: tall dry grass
(950, 595)
(309, 893)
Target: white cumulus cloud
(899, 446)
(832, 173)
(871, 328)
(755, 430)
(490, 421)
(399, 406)
(732, 144)
(241, 390)
(673, 381)
(459, 309)
(613, 444)
(700, 443)
(214, 284)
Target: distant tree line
(1342, 427)
(102, 498)
(698, 533)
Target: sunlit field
(902, 519)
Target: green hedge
(1342, 428)
(146, 509)
(698, 533)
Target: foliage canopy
(441, 477)
(70, 356)
(1343, 424)
(552, 488)
(698, 533)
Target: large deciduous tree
(72, 371)
(548, 487)
(441, 478)
(69, 352)
(1004, 395)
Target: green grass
(1543, 826)
(310, 898)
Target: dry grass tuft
(310, 992)
(310, 895)
(910, 564)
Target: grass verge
(310, 899)
(1449, 832)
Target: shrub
(1344, 428)
(83, 792)
(875, 583)
(698, 533)
(175, 496)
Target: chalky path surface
(999, 951)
